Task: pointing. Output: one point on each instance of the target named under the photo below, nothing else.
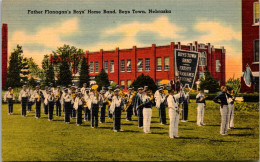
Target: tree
(233, 83)
(84, 73)
(34, 69)
(24, 71)
(144, 80)
(65, 74)
(209, 83)
(48, 71)
(102, 79)
(31, 82)
(15, 67)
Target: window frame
(167, 68)
(204, 58)
(106, 66)
(91, 68)
(218, 67)
(157, 66)
(254, 18)
(127, 83)
(122, 66)
(110, 67)
(96, 70)
(140, 69)
(146, 67)
(127, 68)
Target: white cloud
(161, 25)
(212, 31)
(47, 36)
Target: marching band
(76, 100)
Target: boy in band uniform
(9, 97)
(129, 111)
(30, 100)
(201, 104)
(102, 107)
(58, 94)
(116, 108)
(147, 112)
(109, 95)
(87, 116)
(78, 104)
(93, 105)
(67, 105)
(139, 107)
(37, 95)
(23, 97)
(51, 101)
(174, 111)
(44, 97)
(160, 98)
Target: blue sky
(214, 21)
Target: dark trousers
(50, 112)
(140, 117)
(162, 114)
(45, 109)
(29, 109)
(58, 108)
(24, 104)
(117, 118)
(94, 115)
(37, 109)
(135, 112)
(86, 114)
(185, 110)
(109, 115)
(67, 111)
(10, 105)
(63, 107)
(79, 115)
(129, 112)
(103, 113)
(73, 112)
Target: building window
(203, 59)
(106, 66)
(218, 65)
(129, 82)
(147, 65)
(256, 13)
(159, 64)
(201, 74)
(128, 66)
(256, 50)
(166, 64)
(122, 84)
(112, 68)
(122, 66)
(140, 65)
(96, 67)
(91, 70)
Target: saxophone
(85, 104)
(126, 106)
(57, 96)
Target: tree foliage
(102, 79)
(209, 83)
(84, 72)
(65, 74)
(144, 80)
(34, 69)
(15, 68)
(31, 82)
(233, 83)
(48, 71)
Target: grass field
(28, 139)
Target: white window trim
(110, 66)
(95, 67)
(254, 24)
(145, 64)
(168, 65)
(157, 64)
(203, 57)
(105, 66)
(91, 66)
(140, 70)
(130, 66)
(122, 70)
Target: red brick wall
(4, 53)
(249, 34)
(153, 52)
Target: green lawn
(28, 139)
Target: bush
(246, 106)
(144, 80)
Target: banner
(186, 64)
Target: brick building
(125, 65)
(4, 53)
(250, 42)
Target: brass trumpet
(126, 106)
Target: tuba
(95, 87)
